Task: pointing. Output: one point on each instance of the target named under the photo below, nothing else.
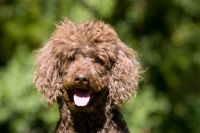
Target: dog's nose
(81, 78)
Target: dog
(90, 73)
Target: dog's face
(85, 65)
(85, 72)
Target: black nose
(81, 78)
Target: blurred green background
(166, 34)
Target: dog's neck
(82, 122)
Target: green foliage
(142, 114)
(165, 34)
(19, 100)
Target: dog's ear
(124, 76)
(46, 75)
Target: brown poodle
(90, 73)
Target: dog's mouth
(81, 97)
(85, 99)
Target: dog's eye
(97, 41)
(71, 58)
(98, 60)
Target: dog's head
(86, 64)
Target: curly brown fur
(90, 73)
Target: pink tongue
(81, 98)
